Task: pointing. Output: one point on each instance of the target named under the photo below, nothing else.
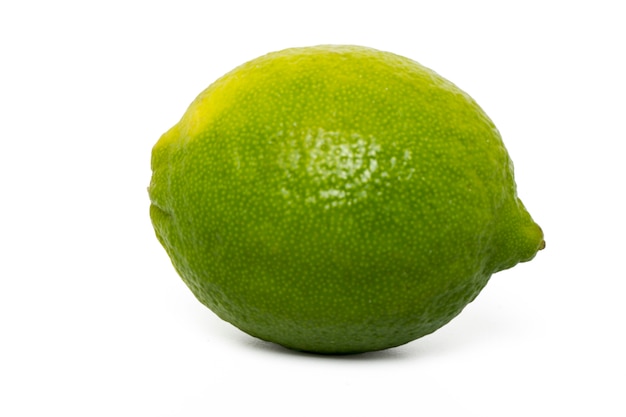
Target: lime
(337, 199)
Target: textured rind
(337, 199)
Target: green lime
(337, 199)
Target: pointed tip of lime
(520, 238)
(534, 241)
(542, 244)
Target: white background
(94, 320)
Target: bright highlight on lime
(337, 199)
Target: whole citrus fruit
(337, 199)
